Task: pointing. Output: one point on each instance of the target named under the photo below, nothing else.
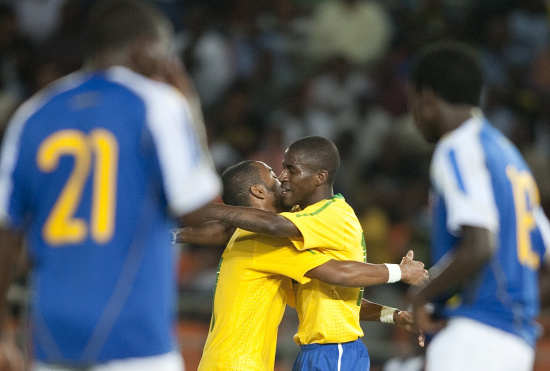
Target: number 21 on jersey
(95, 153)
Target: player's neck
(103, 61)
(456, 115)
(324, 193)
(264, 206)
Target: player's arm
(254, 220)
(210, 233)
(544, 282)
(10, 251)
(380, 313)
(460, 266)
(359, 274)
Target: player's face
(298, 180)
(424, 108)
(273, 188)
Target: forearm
(212, 233)
(10, 250)
(254, 220)
(370, 311)
(544, 286)
(350, 273)
(462, 264)
(373, 312)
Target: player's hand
(405, 320)
(11, 358)
(424, 319)
(413, 271)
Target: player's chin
(286, 199)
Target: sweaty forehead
(295, 158)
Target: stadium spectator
(490, 235)
(94, 171)
(360, 31)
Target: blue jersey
(94, 169)
(480, 179)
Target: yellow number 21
(100, 147)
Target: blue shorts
(352, 356)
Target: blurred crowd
(271, 71)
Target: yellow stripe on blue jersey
(328, 314)
(250, 299)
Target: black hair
(115, 23)
(452, 70)
(319, 153)
(237, 180)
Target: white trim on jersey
(460, 175)
(189, 180)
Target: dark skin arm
(254, 220)
(359, 274)
(334, 272)
(371, 312)
(212, 233)
(10, 252)
(544, 284)
(197, 217)
(474, 249)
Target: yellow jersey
(254, 274)
(328, 314)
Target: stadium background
(271, 71)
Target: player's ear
(321, 177)
(258, 191)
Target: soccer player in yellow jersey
(329, 332)
(254, 274)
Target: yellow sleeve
(322, 230)
(288, 261)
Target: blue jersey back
(88, 186)
(505, 294)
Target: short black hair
(237, 181)
(113, 24)
(451, 69)
(319, 153)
